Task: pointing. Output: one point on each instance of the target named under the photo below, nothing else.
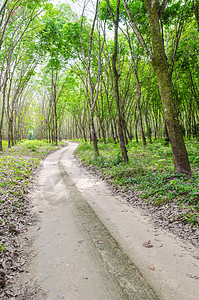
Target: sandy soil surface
(92, 244)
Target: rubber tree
(115, 20)
(163, 72)
(93, 81)
(55, 45)
(16, 19)
(135, 62)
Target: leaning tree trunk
(161, 69)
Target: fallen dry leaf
(81, 241)
(193, 276)
(147, 244)
(151, 267)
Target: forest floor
(87, 244)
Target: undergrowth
(150, 171)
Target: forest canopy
(110, 70)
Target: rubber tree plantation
(121, 77)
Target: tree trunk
(166, 134)
(163, 74)
(112, 132)
(103, 130)
(1, 145)
(54, 98)
(49, 135)
(141, 123)
(94, 137)
(9, 132)
(3, 111)
(138, 91)
(93, 87)
(129, 131)
(136, 131)
(115, 84)
(161, 69)
(146, 108)
(148, 128)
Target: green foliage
(192, 216)
(59, 37)
(2, 248)
(150, 171)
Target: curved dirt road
(88, 241)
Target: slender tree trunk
(1, 145)
(115, 84)
(138, 91)
(146, 109)
(93, 87)
(54, 99)
(148, 128)
(113, 132)
(136, 131)
(94, 136)
(130, 134)
(49, 135)
(155, 127)
(3, 111)
(102, 127)
(140, 118)
(9, 132)
(125, 130)
(136, 120)
(12, 132)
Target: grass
(150, 171)
(17, 164)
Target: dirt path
(88, 243)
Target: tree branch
(137, 32)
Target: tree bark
(161, 69)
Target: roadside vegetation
(17, 168)
(150, 174)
